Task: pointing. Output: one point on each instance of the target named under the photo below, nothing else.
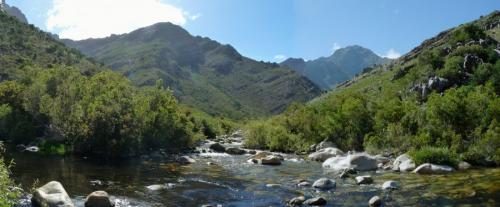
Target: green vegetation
(9, 192)
(435, 155)
(386, 110)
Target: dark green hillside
(202, 73)
(442, 98)
(22, 45)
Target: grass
(434, 155)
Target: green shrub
(9, 192)
(434, 155)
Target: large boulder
(471, 61)
(403, 163)
(428, 168)
(99, 199)
(51, 194)
(217, 147)
(325, 153)
(323, 145)
(297, 201)
(437, 83)
(324, 184)
(359, 162)
(462, 165)
(235, 151)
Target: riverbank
(229, 180)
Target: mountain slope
(15, 12)
(441, 101)
(342, 65)
(24, 45)
(202, 73)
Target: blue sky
(267, 30)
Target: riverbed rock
(260, 155)
(317, 201)
(323, 145)
(217, 147)
(304, 184)
(324, 184)
(428, 168)
(186, 160)
(325, 153)
(365, 179)
(32, 149)
(297, 201)
(271, 160)
(235, 151)
(375, 201)
(390, 185)
(462, 165)
(99, 199)
(51, 194)
(403, 163)
(157, 187)
(359, 162)
(272, 185)
(21, 147)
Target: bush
(434, 155)
(9, 192)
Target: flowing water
(231, 181)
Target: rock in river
(271, 160)
(235, 151)
(359, 162)
(428, 168)
(324, 184)
(403, 163)
(186, 160)
(375, 201)
(51, 194)
(366, 179)
(318, 201)
(390, 185)
(217, 147)
(323, 145)
(297, 201)
(99, 199)
(325, 153)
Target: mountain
(15, 12)
(202, 73)
(440, 103)
(342, 65)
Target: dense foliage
(393, 109)
(8, 190)
(103, 114)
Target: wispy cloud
(392, 54)
(335, 47)
(279, 58)
(80, 19)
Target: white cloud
(80, 19)
(335, 47)
(280, 58)
(194, 17)
(392, 54)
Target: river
(231, 181)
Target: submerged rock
(375, 201)
(157, 187)
(325, 153)
(324, 184)
(360, 162)
(462, 165)
(390, 185)
(99, 199)
(318, 201)
(304, 184)
(51, 194)
(32, 149)
(366, 179)
(428, 168)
